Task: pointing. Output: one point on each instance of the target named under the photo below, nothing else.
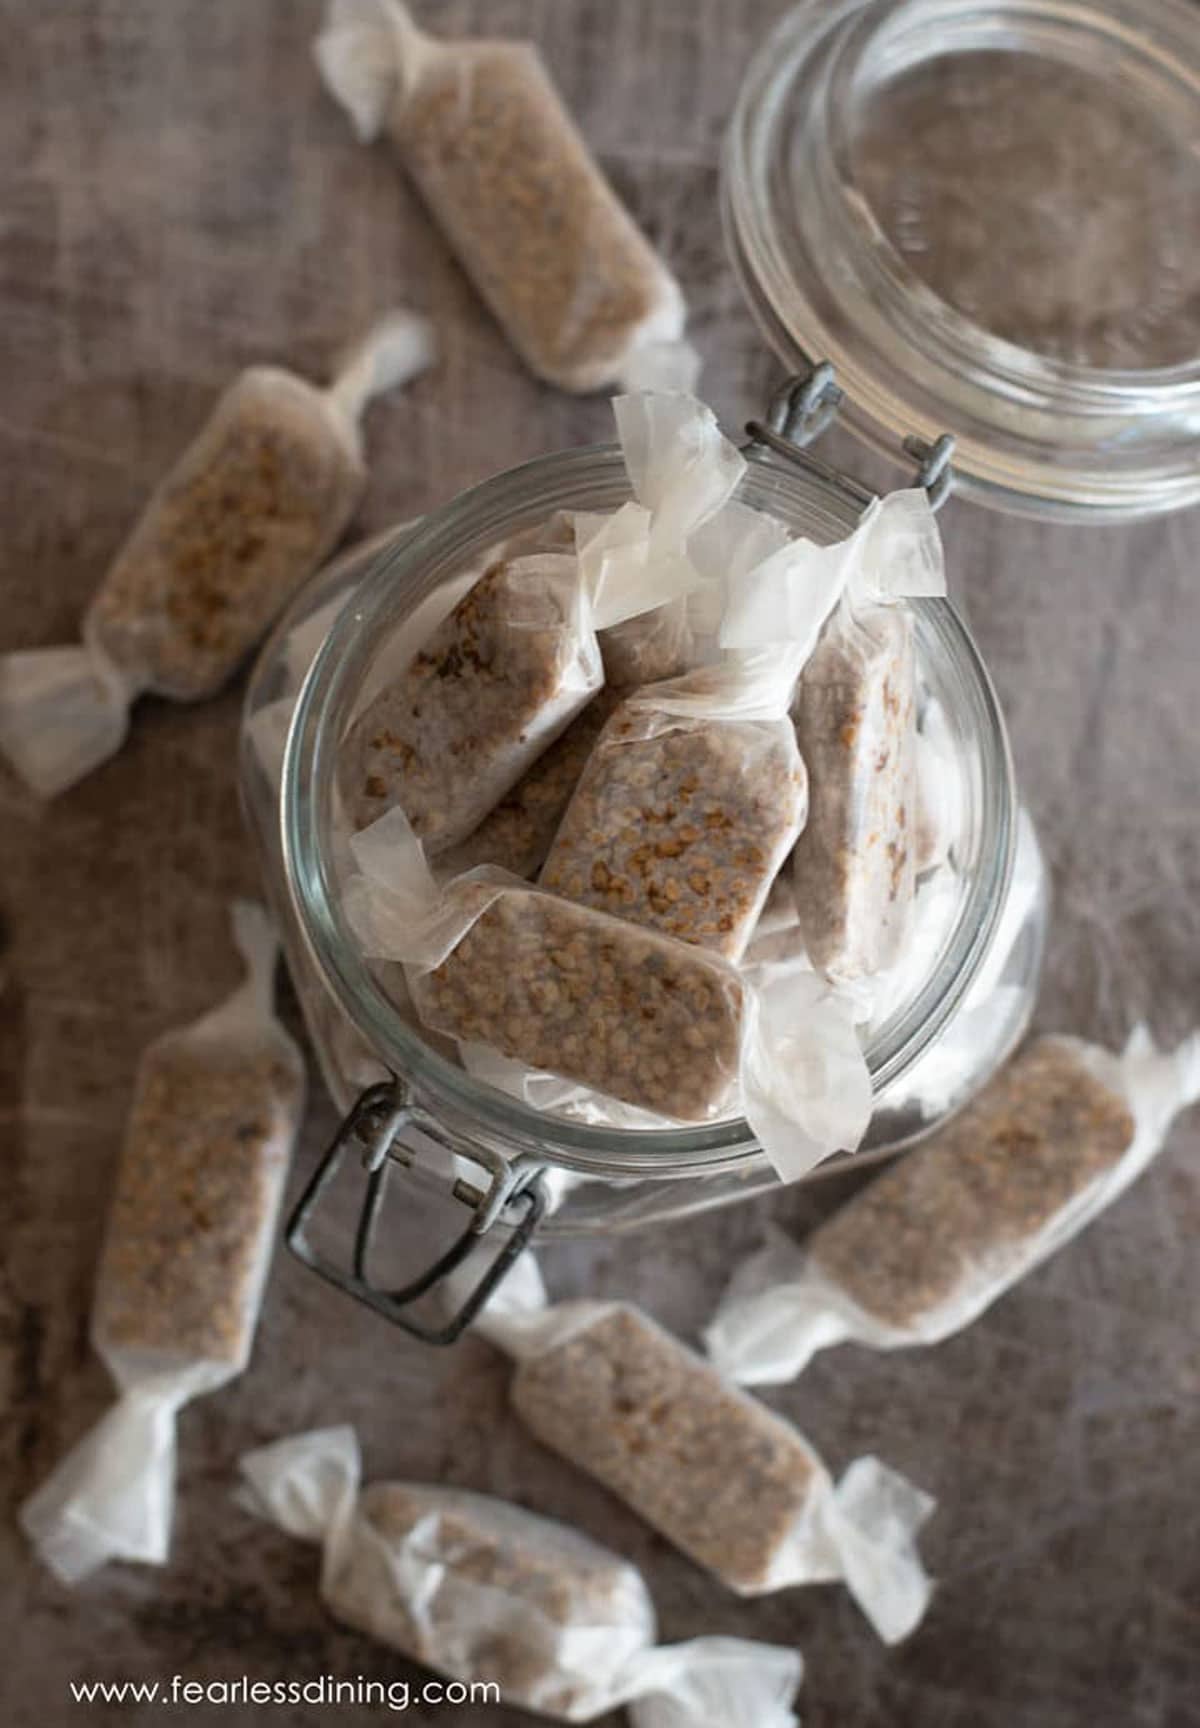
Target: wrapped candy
(491, 689)
(520, 655)
(516, 834)
(190, 1232)
(855, 714)
(577, 289)
(723, 1478)
(246, 514)
(854, 872)
(656, 644)
(690, 802)
(961, 1218)
(478, 1589)
(629, 1014)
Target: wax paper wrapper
(855, 712)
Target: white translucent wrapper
(723, 551)
(683, 472)
(113, 1496)
(796, 1069)
(895, 553)
(860, 1532)
(220, 548)
(576, 287)
(479, 1589)
(781, 1308)
(777, 935)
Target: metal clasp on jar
(805, 405)
(513, 1194)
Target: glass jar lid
(986, 215)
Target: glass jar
(515, 1169)
(985, 215)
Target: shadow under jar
(496, 1166)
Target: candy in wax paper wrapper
(486, 694)
(653, 1022)
(246, 514)
(963, 1216)
(728, 1482)
(855, 714)
(681, 469)
(190, 1233)
(481, 1590)
(690, 802)
(853, 869)
(519, 657)
(577, 288)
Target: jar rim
(1034, 434)
(444, 542)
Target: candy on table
(246, 514)
(482, 1590)
(576, 287)
(191, 1227)
(728, 1482)
(964, 1215)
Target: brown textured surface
(180, 199)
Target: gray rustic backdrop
(178, 198)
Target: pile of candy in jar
(635, 739)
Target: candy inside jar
(690, 805)
(814, 1064)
